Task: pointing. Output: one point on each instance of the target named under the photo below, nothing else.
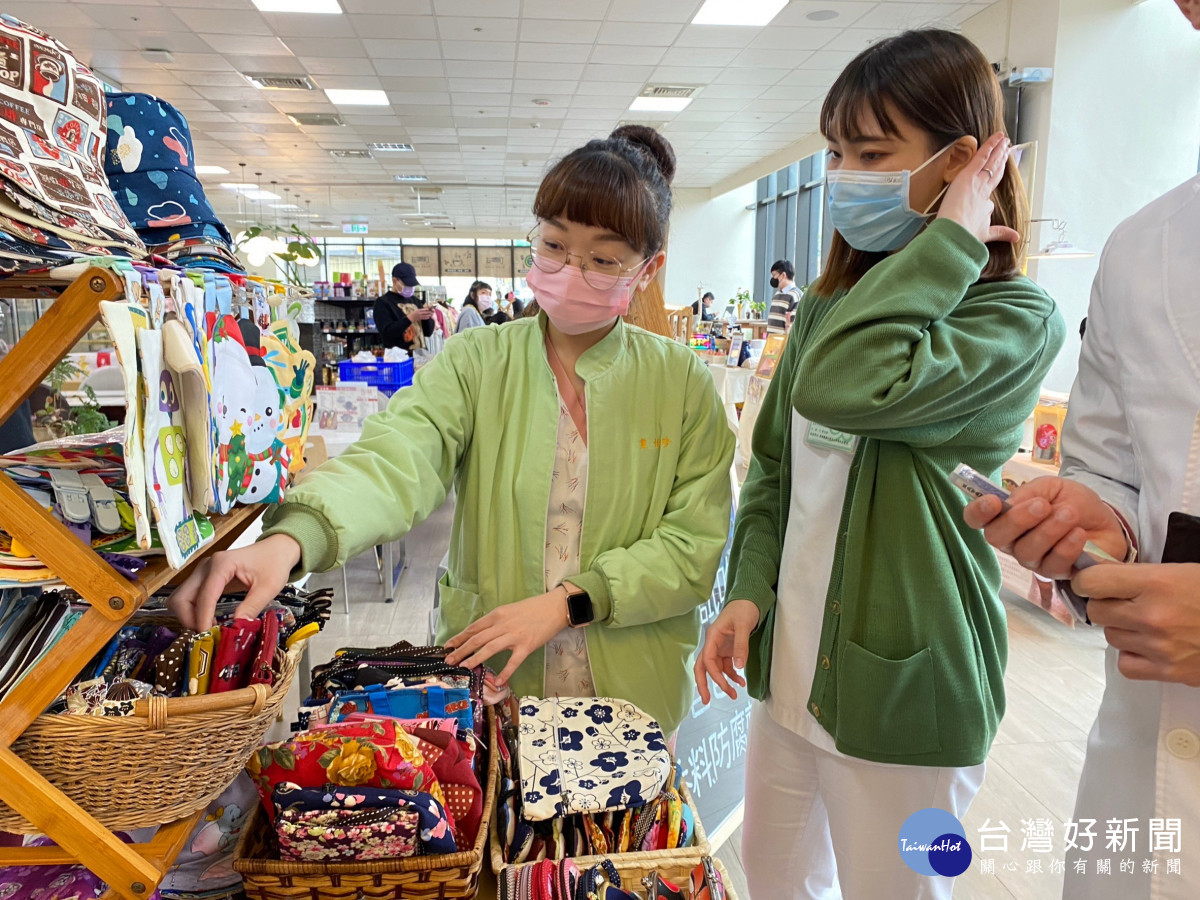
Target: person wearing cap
(391, 320)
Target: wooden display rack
(132, 871)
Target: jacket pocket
(887, 706)
(457, 608)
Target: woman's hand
(520, 627)
(261, 570)
(726, 647)
(969, 199)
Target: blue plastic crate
(389, 377)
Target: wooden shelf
(132, 871)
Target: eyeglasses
(599, 271)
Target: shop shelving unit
(132, 871)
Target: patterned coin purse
(588, 755)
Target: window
(788, 222)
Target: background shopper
(787, 296)
(399, 311)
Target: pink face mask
(573, 305)
(1191, 9)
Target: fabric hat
(406, 273)
(52, 142)
(164, 200)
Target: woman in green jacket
(865, 613)
(590, 460)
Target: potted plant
(290, 247)
(58, 419)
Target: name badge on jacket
(825, 438)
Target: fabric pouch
(235, 653)
(262, 670)
(407, 703)
(588, 755)
(435, 830)
(200, 661)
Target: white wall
(711, 245)
(1118, 126)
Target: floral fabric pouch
(588, 755)
(381, 823)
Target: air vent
(668, 90)
(391, 148)
(350, 154)
(410, 178)
(322, 223)
(314, 119)
(281, 82)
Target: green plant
(60, 418)
(298, 248)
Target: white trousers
(816, 822)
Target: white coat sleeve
(1097, 448)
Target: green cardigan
(483, 417)
(930, 368)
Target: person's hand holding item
(421, 314)
(726, 648)
(1151, 614)
(518, 627)
(1050, 521)
(968, 200)
(261, 570)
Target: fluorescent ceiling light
(285, 206)
(412, 178)
(356, 98)
(659, 104)
(737, 12)
(329, 7)
(253, 194)
(211, 170)
(238, 188)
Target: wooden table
(756, 327)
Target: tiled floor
(1055, 678)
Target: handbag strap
(437, 702)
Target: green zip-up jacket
(929, 368)
(483, 417)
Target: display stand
(132, 871)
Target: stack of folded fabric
(388, 766)
(586, 777)
(54, 199)
(152, 169)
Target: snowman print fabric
(588, 755)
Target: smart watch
(579, 608)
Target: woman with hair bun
(590, 461)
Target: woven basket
(451, 876)
(170, 759)
(632, 866)
(677, 872)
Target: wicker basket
(677, 872)
(170, 759)
(633, 866)
(451, 876)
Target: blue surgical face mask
(871, 210)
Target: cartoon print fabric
(52, 183)
(152, 170)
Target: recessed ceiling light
(329, 7)
(822, 15)
(659, 104)
(350, 154)
(340, 97)
(285, 206)
(413, 178)
(211, 170)
(738, 12)
(261, 195)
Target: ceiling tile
(82, 40)
(559, 31)
(325, 65)
(855, 40)
(625, 53)
(453, 28)
(275, 65)
(397, 7)
(481, 85)
(679, 11)
(224, 21)
(684, 74)
(899, 16)
(600, 88)
(395, 27)
(400, 49)
(351, 82)
(351, 48)
(504, 8)
(210, 79)
(477, 50)
(797, 11)
(750, 76)
(205, 62)
(716, 36)
(790, 39)
(830, 59)
(695, 56)
(821, 78)
(288, 25)
(565, 71)
(797, 93)
(403, 68)
(594, 72)
(548, 53)
(248, 45)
